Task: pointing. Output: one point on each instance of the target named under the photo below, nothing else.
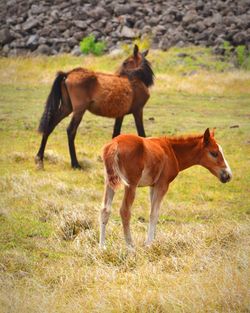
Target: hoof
(147, 244)
(131, 249)
(76, 166)
(39, 163)
(102, 247)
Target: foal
(114, 96)
(155, 162)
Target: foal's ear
(145, 53)
(212, 132)
(206, 137)
(136, 50)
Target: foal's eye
(214, 154)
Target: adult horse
(114, 96)
(155, 162)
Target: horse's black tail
(52, 104)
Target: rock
(79, 36)
(5, 36)
(43, 49)
(55, 15)
(76, 51)
(36, 9)
(31, 23)
(190, 17)
(32, 42)
(5, 50)
(168, 23)
(165, 43)
(64, 48)
(123, 9)
(127, 32)
(81, 24)
(241, 38)
(98, 13)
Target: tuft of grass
(90, 45)
(72, 223)
(143, 44)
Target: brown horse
(102, 94)
(155, 162)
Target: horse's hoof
(76, 167)
(39, 163)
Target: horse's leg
(138, 116)
(40, 154)
(105, 213)
(71, 131)
(125, 212)
(117, 126)
(156, 195)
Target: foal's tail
(52, 104)
(110, 157)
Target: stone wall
(54, 26)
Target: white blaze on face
(228, 169)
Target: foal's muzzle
(225, 176)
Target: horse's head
(134, 61)
(213, 159)
(137, 66)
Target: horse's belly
(113, 98)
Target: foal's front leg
(156, 195)
(125, 212)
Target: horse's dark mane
(144, 73)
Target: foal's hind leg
(138, 116)
(57, 119)
(125, 212)
(105, 213)
(71, 131)
(117, 126)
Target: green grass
(49, 256)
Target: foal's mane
(143, 73)
(184, 138)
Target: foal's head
(137, 66)
(213, 159)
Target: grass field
(49, 256)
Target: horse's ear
(206, 137)
(145, 53)
(136, 50)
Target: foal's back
(140, 161)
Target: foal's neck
(187, 150)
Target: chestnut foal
(135, 162)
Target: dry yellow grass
(49, 256)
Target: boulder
(43, 49)
(81, 24)
(32, 42)
(123, 9)
(5, 36)
(31, 23)
(127, 32)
